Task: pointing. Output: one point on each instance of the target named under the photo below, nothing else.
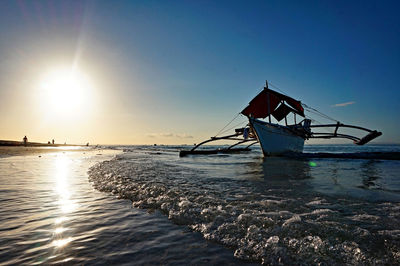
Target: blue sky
(178, 71)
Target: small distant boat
(279, 138)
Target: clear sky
(176, 72)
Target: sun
(65, 91)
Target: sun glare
(65, 91)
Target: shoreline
(13, 143)
(9, 151)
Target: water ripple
(272, 211)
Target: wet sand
(6, 151)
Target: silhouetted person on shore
(25, 139)
(52, 141)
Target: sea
(145, 205)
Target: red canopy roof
(266, 102)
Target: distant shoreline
(21, 150)
(33, 144)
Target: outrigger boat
(279, 139)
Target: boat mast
(269, 110)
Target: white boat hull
(275, 139)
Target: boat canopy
(266, 103)
(272, 103)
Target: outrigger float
(277, 139)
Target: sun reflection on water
(59, 230)
(62, 178)
(61, 220)
(62, 185)
(61, 242)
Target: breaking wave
(265, 210)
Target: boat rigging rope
(310, 109)
(315, 111)
(219, 132)
(233, 126)
(319, 123)
(272, 85)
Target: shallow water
(50, 213)
(269, 210)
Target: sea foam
(261, 222)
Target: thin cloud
(166, 135)
(343, 104)
(184, 136)
(169, 135)
(152, 135)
